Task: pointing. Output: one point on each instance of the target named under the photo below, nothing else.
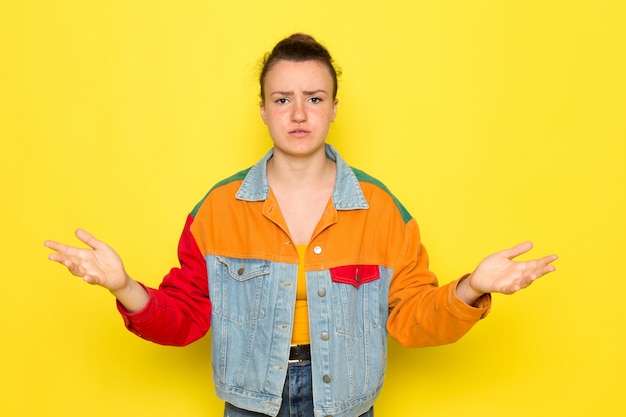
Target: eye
(281, 101)
(316, 100)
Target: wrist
(466, 292)
(133, 296)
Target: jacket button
(324, 336)
(317, 250)
(321, 292)
(240, 271)
(326, 378)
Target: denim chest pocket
(356, 299)
(239, 291)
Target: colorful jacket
(367, 276)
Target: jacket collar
(347, 194)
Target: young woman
(301, 265)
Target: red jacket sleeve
(179, 312)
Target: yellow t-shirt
(300, 335)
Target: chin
(300, 153)
(304, 148)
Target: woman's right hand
(99, 265)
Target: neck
(288, 171)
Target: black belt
(300, 353)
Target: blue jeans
(297, 395)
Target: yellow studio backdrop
(493, 122)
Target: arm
(179, 312)
(176, 314)
(421, 312)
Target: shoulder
(375, 190)
(236, 178)
(222, 186)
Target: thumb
(518, 250)
(88, 239)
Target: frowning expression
(299, 106)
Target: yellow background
(493, 122)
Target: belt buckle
(298, 351)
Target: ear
(262, 109)
(335, 103)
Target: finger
(543, 265)
(546, 263)
(533, 270)
(511, 288)
(68, 262)
(543, 270)
(518, 250)
(88, 239)
(64, 251)
(91, 279)
(519, 284)
(56, 257)
(55, 246)
(60, 259)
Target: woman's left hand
(500, 273)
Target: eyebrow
(306, 93)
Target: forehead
(302, 73)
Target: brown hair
(299, 47)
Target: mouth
(299, 132)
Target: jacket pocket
(355, 275)
(356, 296)
(240, 288)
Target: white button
(317, 250)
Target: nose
(298, 113)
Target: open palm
(97, 265)
(500, 273)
